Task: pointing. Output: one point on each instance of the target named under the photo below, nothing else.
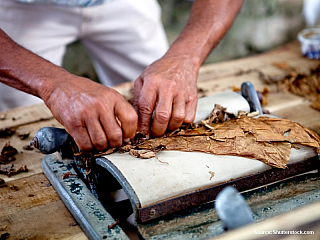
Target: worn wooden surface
(32, 209)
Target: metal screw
(152, 212)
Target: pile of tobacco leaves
(6, 159)
(296, 82)
(265, 138)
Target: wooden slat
(289, 53)
(25, 115)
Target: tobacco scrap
(316, 103)
(7, 132)
(218, 115)
(27, 147)
(201, 92)
(7, 153)
(23, 136)
(67, 175)
(296, 82)
(9, 170)
(2, 183)
(211, 174)
(111, 226)
(4, 236)
(14, 188)
(144, 154)
(125, 148)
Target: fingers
(81, 137)
(178, 113)
(171, 114)
(171, 108)
(128, 119)
(191, 107)
(136, 93)
(162, 116)
(102, 127)
(94, 115)
(144, 104)
(116, 124)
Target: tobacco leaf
(7, 153)
(316, 103)
(9, 170)
(144, 154)
(7, 132)
(266, 139)
(296, 82)
(23, 136)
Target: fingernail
(126, 140)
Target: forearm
(26, 71)
(209, 21)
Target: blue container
(310, 42)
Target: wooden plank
(289, 53)
(25, 115)
(35, 211)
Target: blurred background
(260, 26)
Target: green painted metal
(92, 217)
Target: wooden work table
(31, 209)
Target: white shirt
(70, 3)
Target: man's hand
(93, 114)
(168, 89)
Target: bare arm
(168, 86)
(95, 115)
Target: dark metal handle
(249, 93)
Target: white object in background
(311, 12)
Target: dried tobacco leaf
(296, 82)
(7, 132)
(7, 153)
(2, 184)
(9, 170)
(144, 154)
(316, 103)
(27, 147)
(23, 136)
(266, 139)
